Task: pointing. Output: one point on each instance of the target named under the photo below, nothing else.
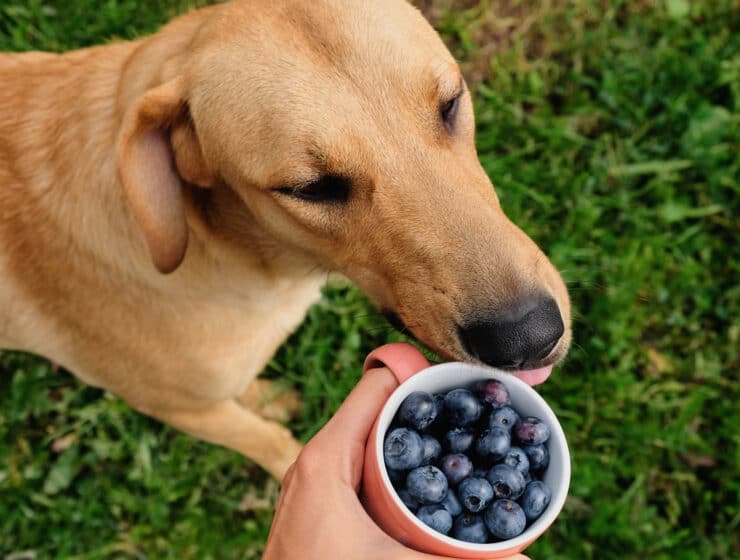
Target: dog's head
(344, 132)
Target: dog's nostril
(523, 333)
(547, 349)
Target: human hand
(319, 514)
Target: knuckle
(310, 462)
(289, 474)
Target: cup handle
(401, 358)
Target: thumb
(340, 445)
(354, 420)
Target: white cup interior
(526, 401)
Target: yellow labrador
(169, 207)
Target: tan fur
(123, 162)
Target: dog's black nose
(514, 337)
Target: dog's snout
(516, 337)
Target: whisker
(581, 348)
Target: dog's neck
(54, 145)
(64, 216)
(57, 150)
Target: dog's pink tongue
(535, 376)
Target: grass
(610, 130)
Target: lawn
(611, 131)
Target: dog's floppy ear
(158, 148)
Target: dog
(170, 207)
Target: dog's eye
(448, 111)
(328, 188)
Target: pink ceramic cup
(414, 373)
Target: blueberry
(456, 467)
(437, 517)
(408, 500)
(432, 449)
(493, 445)
(505, 519)
(475, 494)
(427, 484)
(517, 458)
(504, 417)
(507, 482)
(535, 499)
(452, 504)
(539, 457)
(530, 430)
(461, 407)
(403, 449)
(418, 411)
(493, 392)
(459, 440)
(470, 528)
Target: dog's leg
(271, 401)
(232, 425)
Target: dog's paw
(271, 400)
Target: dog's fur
(148, 243)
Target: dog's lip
(535, 376)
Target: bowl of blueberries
(463, 460)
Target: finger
(355, 418)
